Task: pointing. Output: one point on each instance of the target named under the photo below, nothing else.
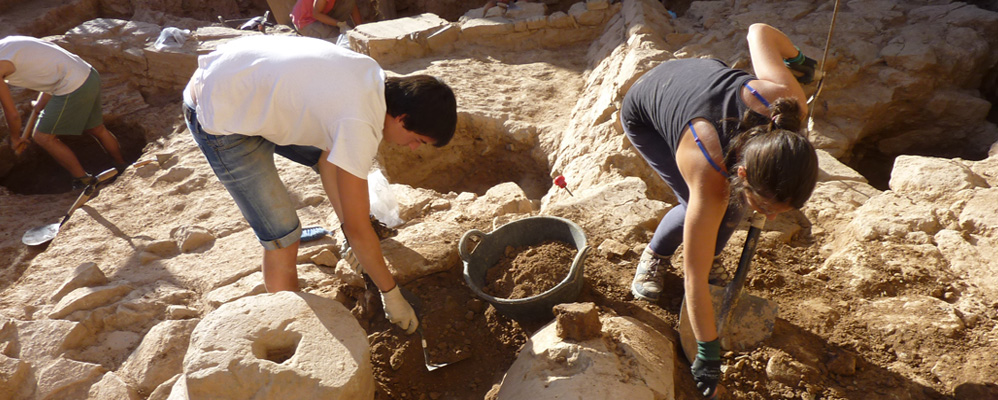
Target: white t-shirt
(42, 66)
(294, 90)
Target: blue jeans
(245, 166)
(669, 234)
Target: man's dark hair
(428, 104)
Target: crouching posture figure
(321, 106)
(683, 118)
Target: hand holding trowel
(29, 127)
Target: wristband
(796, 60)
(709, 351)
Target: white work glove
(398, 310)
(347, 254)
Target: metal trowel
(417, 306)
(743, 320)
(44, 234)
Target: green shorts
(73, 113)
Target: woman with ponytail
(725, 141)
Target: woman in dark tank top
(723, 140)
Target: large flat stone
(278, 346)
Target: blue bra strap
(757, 95)
(705, 153)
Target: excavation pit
(36, 172)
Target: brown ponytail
(780, 162)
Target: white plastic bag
(171, 37)
(343, 41)
(384, 207)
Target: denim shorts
(245, 166)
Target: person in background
(70, 103)
(723, 140)
(256, 96)
(504, 4)
(324, 19)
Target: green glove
(802, 67)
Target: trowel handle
(107, 174)
(757, 222)
(89, 191)
(462, 245)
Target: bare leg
(280, 269)
(61, 153)
(108, 141)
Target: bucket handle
(462, 250)
(580, 258)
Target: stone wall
(403, 39)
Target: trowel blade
(40, 235)
(750, 322)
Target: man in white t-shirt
(322, 106)
(70, 103)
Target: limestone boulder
(159, 356)
(423, 249)
(978, 215)
(46, 339)
(833, 203)
(88, 298)
(629, 360)
(281, 345)
(12, 373)
(831, 169)
(894, 215)
(972, 256)
(111, 387)
(248, 285)
(932, 177)
(619, 211)
(400, 39)
(86, 274)
(63, 378)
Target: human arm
(708, 201)
(768, 48)
(356, 16)
(349, 196)
(317, 7)
(10, 113)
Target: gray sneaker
(649, 279)
(718, 274)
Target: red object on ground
(560, 182)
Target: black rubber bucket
(529, 231)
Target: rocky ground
(885, 280)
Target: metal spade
(44, 234)
(417, 304)
(743, 320)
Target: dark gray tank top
(678, 91)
